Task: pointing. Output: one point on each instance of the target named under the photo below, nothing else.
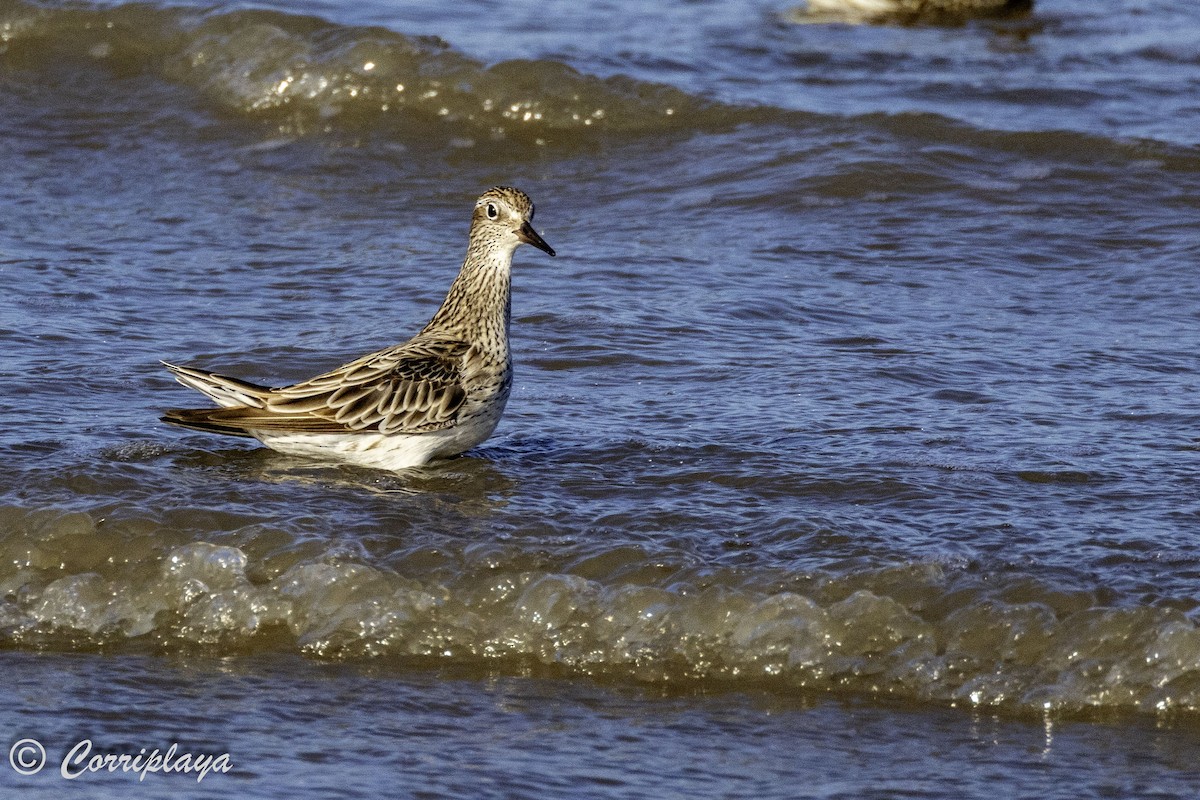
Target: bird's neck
(478, 306)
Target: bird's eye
(491, 211)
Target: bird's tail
(224, 391)
(200, 419)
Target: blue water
(852, 449)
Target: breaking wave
(304, 75)
(307, 74)
(927, 632)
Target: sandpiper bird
(434, 396)
(906, 10)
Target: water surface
(861, 399)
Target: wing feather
(413, 387)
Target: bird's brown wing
(415, 387)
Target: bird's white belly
(393, 452)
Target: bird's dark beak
(527, 234)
